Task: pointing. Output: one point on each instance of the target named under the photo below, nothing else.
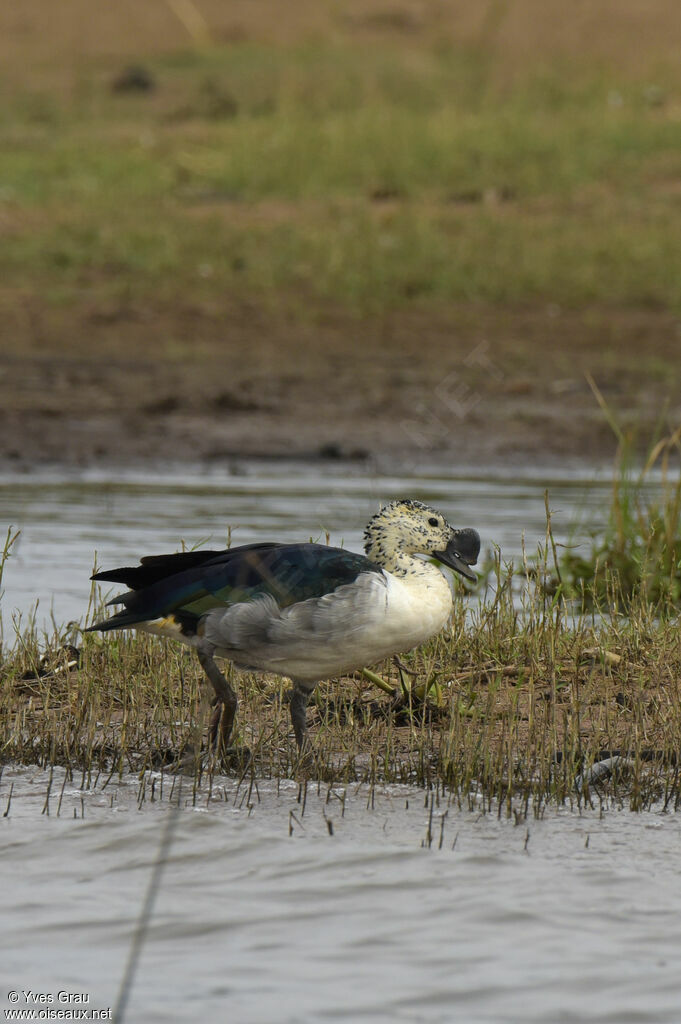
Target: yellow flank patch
(168, 626)
(170, 623)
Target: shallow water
(65, 517)
(571, 918)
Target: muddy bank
(88, 383)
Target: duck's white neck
(416, 586)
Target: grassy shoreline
(515, 712)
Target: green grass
(366, 178)
(637, 558)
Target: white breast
(359, 624)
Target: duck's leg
(222, 722)
(300, 696)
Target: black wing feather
(287, 572)
(154, 568)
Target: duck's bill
(461, 552)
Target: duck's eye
(433, 521)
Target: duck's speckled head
(410, 527)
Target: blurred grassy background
(363, 155)
(351, 196)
